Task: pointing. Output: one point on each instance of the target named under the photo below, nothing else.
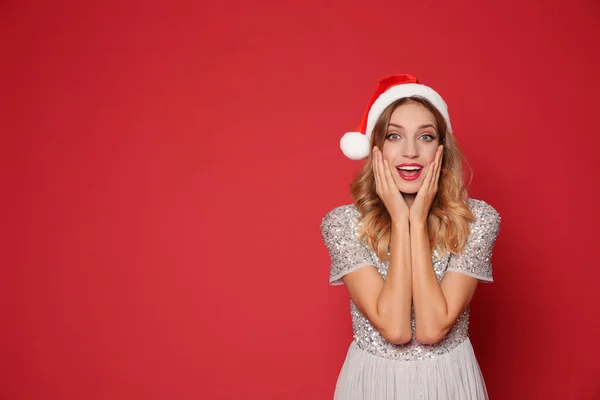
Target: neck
(409, 198)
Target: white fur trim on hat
(399, 92)
(355, 145)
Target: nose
(410, 149)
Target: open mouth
(409, 172)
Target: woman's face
(410, 145)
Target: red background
(168, 165)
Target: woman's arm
(437, 307)
(386, 303)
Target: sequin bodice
(339, 229)
(369, 339)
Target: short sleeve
(340, 234)
(476, 258)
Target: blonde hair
(449, 216)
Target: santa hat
(356, 145)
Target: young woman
(410, 250)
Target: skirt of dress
(452, 376)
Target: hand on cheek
(386, 187)
(419, 210)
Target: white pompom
(355, 145)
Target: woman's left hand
(419, 210)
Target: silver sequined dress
(377, 369)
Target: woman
(410, 250)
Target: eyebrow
(420, 127)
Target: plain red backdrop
(169, 163)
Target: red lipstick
(409, 171)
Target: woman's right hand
(386, 188)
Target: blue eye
(428, 137)
(393, 136)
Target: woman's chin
(407, 188)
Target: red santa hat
(356, 145)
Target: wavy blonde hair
(449, 217)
